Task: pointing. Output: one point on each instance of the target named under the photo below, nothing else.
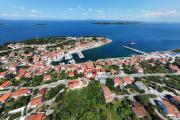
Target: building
(174, 68)
(138, 69)
(2, 74)
(117, 81)
(141, 85)
(176, 100)
(107, 94)
(74, 84)
(168, 109)
(37, 101)
(21, 74)
(42, 91)
(102, 81)
(139, 110)
(21, 92)
(38, 116)
(127, 80)
(4, 97)
(5, 84)
(71, 73)
(47, 77)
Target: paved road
(138, 75)
(50, 85)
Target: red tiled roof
(107, 94)
(71, 73)
(42, 91)
(36, 101)
(139, 111)
(73, 83)
(20, 92)
(2, 74)
(47, 77)
(127, 79)
(39, 116)
(170, 108)
(5, 84)
(4, 97)
(117, 81)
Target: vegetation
(88, 104)
(153, 69)
(33, 82)
(53, 92)
(20, 102)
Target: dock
(80, 55)
(138, 51)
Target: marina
(68, 56)
(80, 54)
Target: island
(117, 23)
(41, 24)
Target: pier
(80, 54)
(138, 51)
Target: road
(138, 75)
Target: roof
(170, 109)
(36, 101)
(137, 68)
(4, 97)
(127, 79)
(42, 91)
(3, 73)
(39, 116)
(139, 111)
(5, 84)
(73, 83)
(117, 81)
(107, 94)
(47, 77)
(20, 92)
(137, 104)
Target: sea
(147, 36)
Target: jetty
(138, 51)
(80, 55)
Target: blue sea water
(147, 36)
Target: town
(36, 83)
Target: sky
(132, 10)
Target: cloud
(100, 11)
(70, 9)
(9, 15)
(34, 11)
(90, 9)
(165, 13)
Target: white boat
(132, 43)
